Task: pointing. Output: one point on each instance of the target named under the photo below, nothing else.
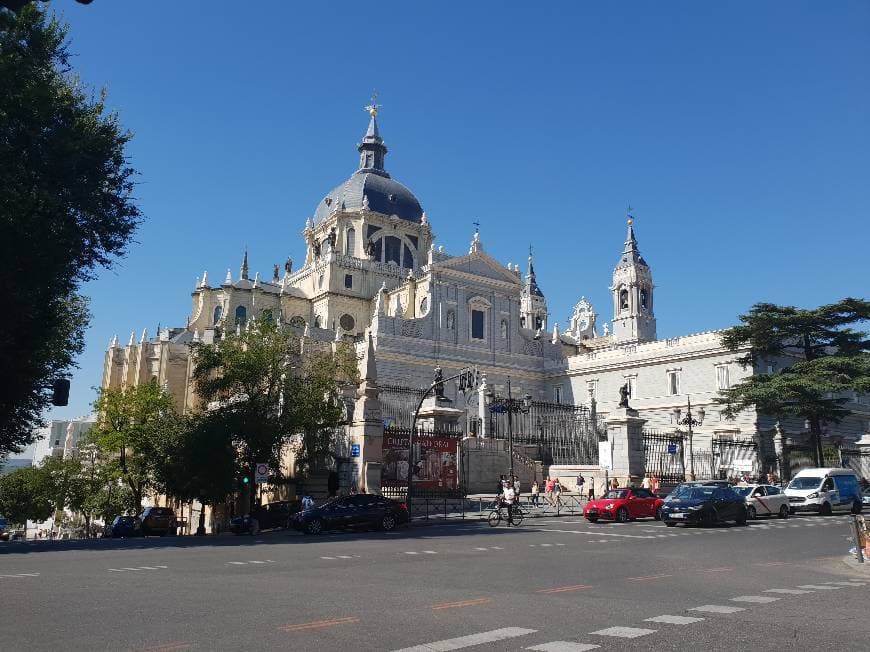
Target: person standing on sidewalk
(646, 483)
(536, 495)
(591, 488)
(654, 483)
(580, 482)
(548, 490)
(557, 492)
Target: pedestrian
(517, 486)
(646, 483)
(548, 490)
(771, 478)
(535, 493)
(614, 483)
(654, 483)
(580, 482)
(557, 491)
(591, 495)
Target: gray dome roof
(385, 195)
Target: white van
(824, 491)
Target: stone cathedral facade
(371, 267)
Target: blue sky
(737, 130)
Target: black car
(704, 504)
(361, 510)
(125, 526)
(158, 521)
(269, 516)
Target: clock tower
(633, 316)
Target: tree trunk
(816, 430)
(200, 530)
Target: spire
(114, 343)
(370, 369)
(244, 271)
(630, 252)
(532, 288)
(132, 338)
(144, 335)
(372, 149)
(229, 279)
(205, 279)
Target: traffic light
(60, 392)
(246, 480)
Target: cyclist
(508, 499)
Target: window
(218, 313)
(392, 250)
(623, 299)
(477, 321)
(320, 281)
(557, 394)
(673, 383)
(424, 305)
(348, 281)
(408, 260)
(539, 323)
(643, 305)
(377, 249)
(350, 242)
(722, 381)
(317, 322)
(241, 315)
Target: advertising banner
(434, 460)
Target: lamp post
(511, 406)
(690, 423)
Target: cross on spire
(476, 227)
(373, 107)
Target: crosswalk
(694, 615)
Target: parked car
(865, 498)
(705, 504)
(763, 500)
(623, 504)
(4, 535)
(824, 490)
(269, 516)
(158, 521)
(361, 510)
(126, 526)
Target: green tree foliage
(134, 424)
(66, 209)
(263, 387)
(831, 358)
(25, 495)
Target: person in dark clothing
(332, 484)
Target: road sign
(354, 450)
(261, 473)
(672, 449)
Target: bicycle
(496, 516)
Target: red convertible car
(623, 504)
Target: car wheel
(659, 514)
(741, 518)
(751, 514)
(857, 507)
(825, 509)
(622, 515)
(388, 523)
(670, 524)
(592, 519)
(708, 519)
(784, 511)
(315, 526)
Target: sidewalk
(478, 507)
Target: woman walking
(535, 493)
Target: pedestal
(438, 413)
(625, 440)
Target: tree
(199, 463)
(831, 358)
(66, 209)
(133, 423)
(25, 495)
(264, 388)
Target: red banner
(434, 460)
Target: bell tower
(533, 305)
(633, 316)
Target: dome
(371, 186)
(384, 195)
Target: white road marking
(468, 641)
(256, 562)
(28, 574)
(237, 563)
(819, 586)
(560, 544)
(430, 552)
(624, 632)
(485, 548)
(717, 609)
(496, 548)
(599, 534)
(787, 591)
(563, 646)
(851, 583)
(759, 599)
(546, 545)
(412, 553)
(674, 620)
(331, 558)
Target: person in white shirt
(508, 497)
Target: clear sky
(737, 130)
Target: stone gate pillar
(625, 442)
(367, 431)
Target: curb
(861, 569)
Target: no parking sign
(261, 473)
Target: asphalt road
(557, 585)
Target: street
(553, 584)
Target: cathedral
(372, 275)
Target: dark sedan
(125, 526)
(269, 516)
(361, 510)
(704, 504)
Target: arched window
(623, 299)
(538, 322)
(241, 315)
(218, 313)
(643, 305)
(350, 242)
(408, 259)
(424, 305)
(523, 322)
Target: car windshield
(744, 491)
(806, 482)
(695, 493)
(618, 493)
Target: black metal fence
(398, 404)
(564, 434)
(664, 456)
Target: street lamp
(511, 406)
(690, 423)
